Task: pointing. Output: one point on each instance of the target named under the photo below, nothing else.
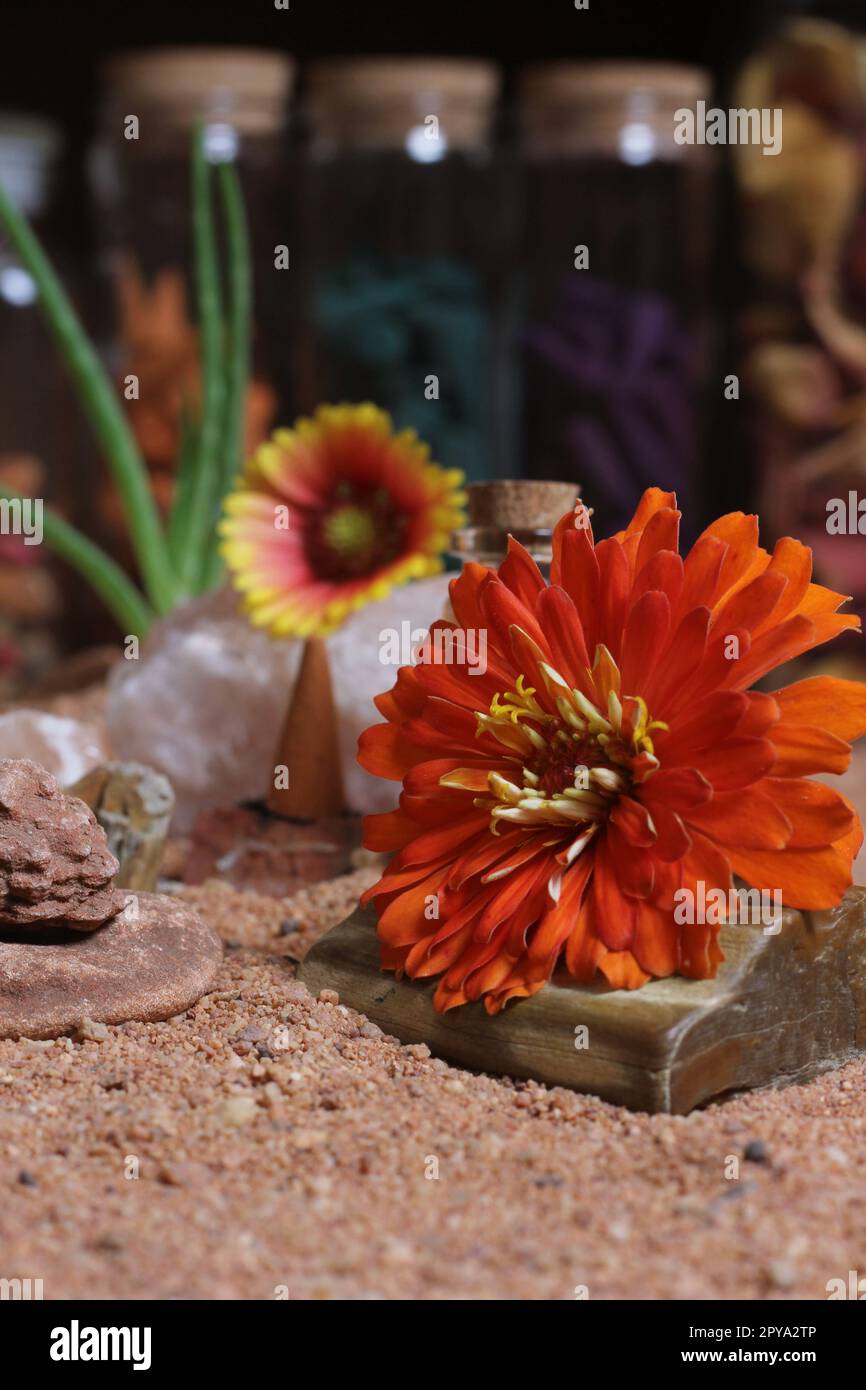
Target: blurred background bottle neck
(425, 107)
(622, 111)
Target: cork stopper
(247, 88)
(624, 110)
(381, 101)
(526, 509)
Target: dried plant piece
(797, 382)
(822, 61)
(55, 864)
(802, 203)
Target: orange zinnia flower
(610, 755)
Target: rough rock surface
(55, 864)
(151, 961)
(260, 852)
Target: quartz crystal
(67, 748)
(205, 701)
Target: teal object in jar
(403, 260)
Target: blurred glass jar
(140, 175)
(28, 153)
(404, 252)
(614, 340)
(42, 450)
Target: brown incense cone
(308, 745)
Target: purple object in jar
(614, 344)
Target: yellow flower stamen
(569, 768)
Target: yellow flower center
(350, 531)
(569, 767)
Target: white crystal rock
(361, 667)
(202, 704)
(205, 701)
(67, 748)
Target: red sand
(303, 1173)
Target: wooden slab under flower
(782, 1008)
(611, 761)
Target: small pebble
(238, 1110)
(90, 1031)
(112, 1242)
(252, 1033)
(309, 1138)
(112, 1083)
(756, 1151)
(782, 1274)
(184, 1173)
(836, 1156)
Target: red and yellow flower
(611, 754)
(333, 514)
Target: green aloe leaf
(237, 369)
(126, 602)
(200, 513)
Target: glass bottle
(404, 253)
(140, 175)
(614, 339)
(40, 430)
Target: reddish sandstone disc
(150, 962)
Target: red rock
(262, 853)
(150, 962)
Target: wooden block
(782, 1008)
